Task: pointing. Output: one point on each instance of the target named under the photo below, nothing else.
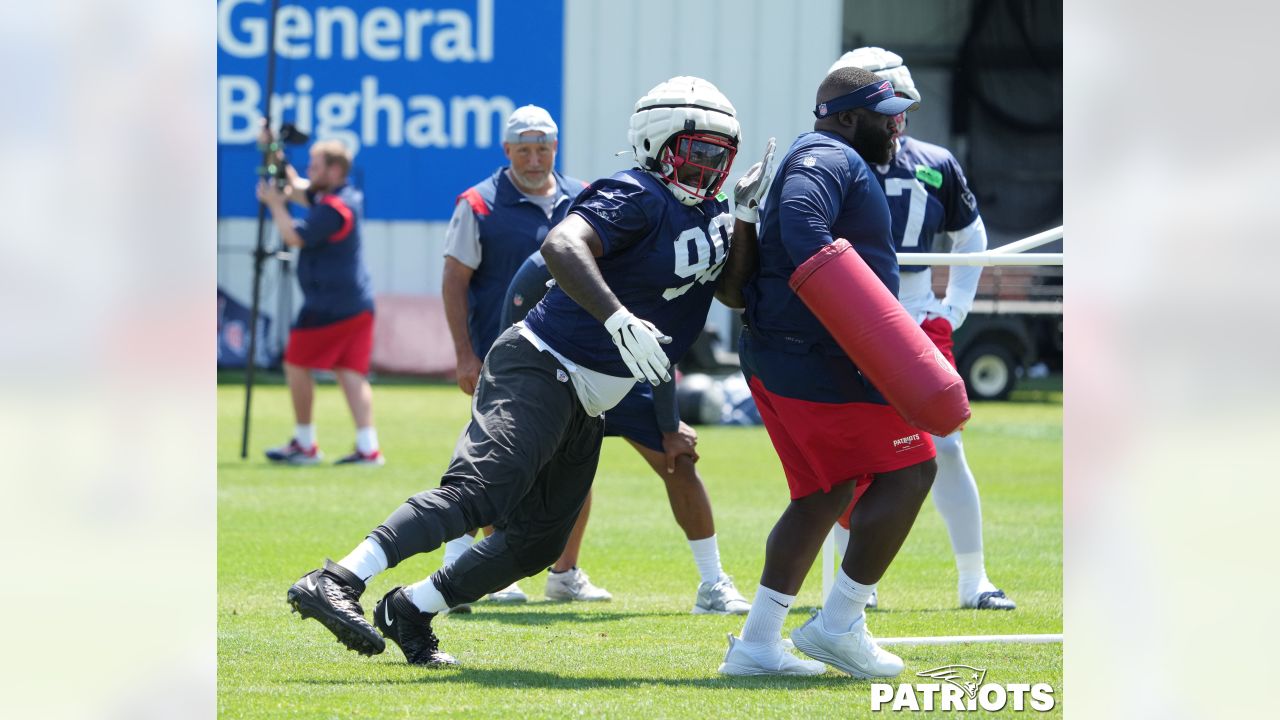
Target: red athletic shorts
(939, 331)
(346, 344)
(822, 445)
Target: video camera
(276, 163)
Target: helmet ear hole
(646, 144)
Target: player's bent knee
(535, 560)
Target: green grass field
(642, 655)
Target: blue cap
(877, 95)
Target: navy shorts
(635, 419)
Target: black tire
(989, 372)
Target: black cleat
(332, 596)
(994, 600)
(406, 626)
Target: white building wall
(767, 56)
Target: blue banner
(420, 89)
(233, 335)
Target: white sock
(454, 549)
(845, 604)
(426, 596)
(366, 560)
(305, 435)
(842, 539)
(366, 440)
(768, 612)
(706, 555)
(973, 576)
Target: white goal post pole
(985, 259)
(1032, 242)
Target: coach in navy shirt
(832, 429)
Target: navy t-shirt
(661, 259)
(331, 271)
(823, 191)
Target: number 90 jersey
(927, 194)
(661, 258)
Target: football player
(929, 197)
(636, 263)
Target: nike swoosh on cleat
(309, 584)
(386, 614)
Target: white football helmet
(886, 65)
(685, 132)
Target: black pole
(259, 254)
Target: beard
(530, 181)
(873, 142)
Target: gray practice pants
(524, 464)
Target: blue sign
(233, 335)
(419, 89)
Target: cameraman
(334, 329)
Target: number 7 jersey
(927, 195)
(662, 259)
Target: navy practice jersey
(823, 191)
(640, 415)
(927, 195)
(661, 259)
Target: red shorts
(822, 445)
(346, 344)
(939, 331)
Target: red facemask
(699, 162)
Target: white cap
(530, 118)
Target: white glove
(638, 343)
(753, 186)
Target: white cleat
(720, 598)
(574, 585)
(745, 659)
(855, 652)
(508, 595)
